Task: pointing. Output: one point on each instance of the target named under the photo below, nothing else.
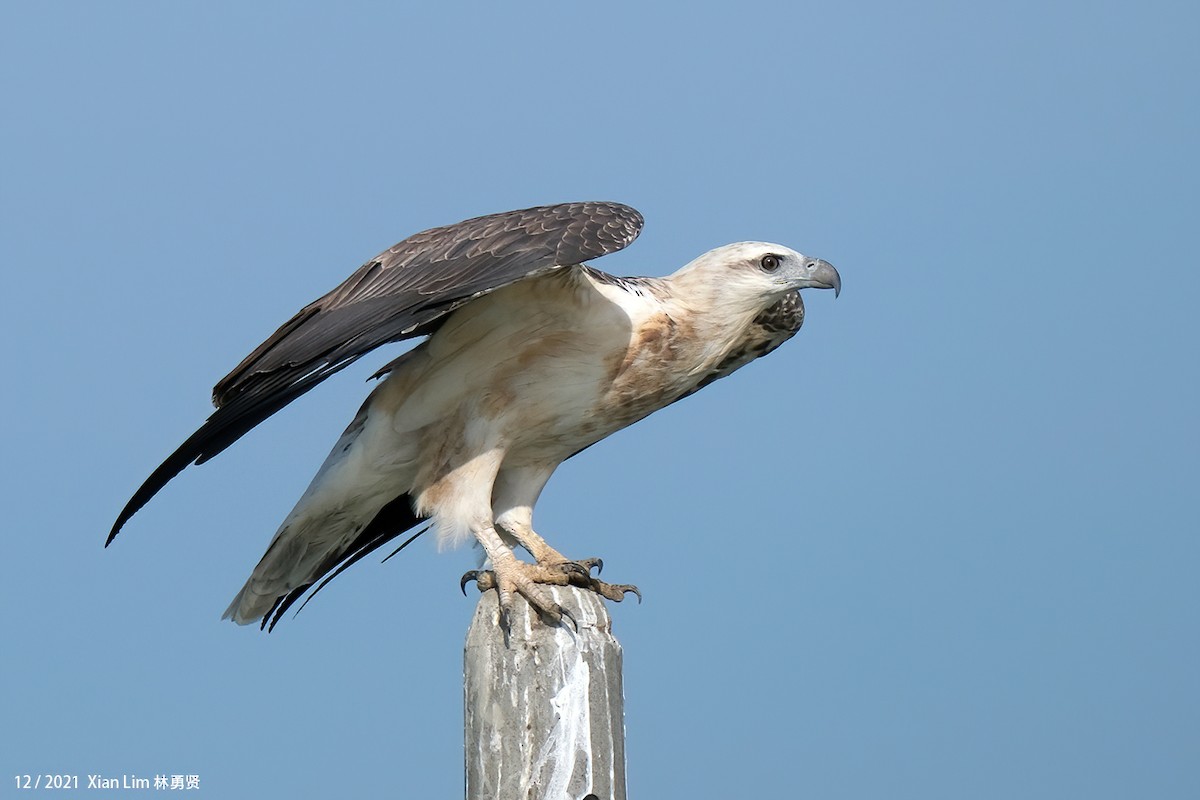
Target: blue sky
(941, 545)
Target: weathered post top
(544, 703)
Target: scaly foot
(510, 577)
(583, 579)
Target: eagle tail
(282, 577)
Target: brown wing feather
(423, 278)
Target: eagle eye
(770, 262)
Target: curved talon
(564, 612)
(626, 588)
(548, 612)
(468, 576)
(579, 568)
(484, 579)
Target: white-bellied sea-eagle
(531, 356)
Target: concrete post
(544, 705)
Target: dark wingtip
(157, 480)
(224, 427)
(199, 445)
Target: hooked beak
(821, 275)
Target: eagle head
(758, 273)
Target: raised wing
(401, 293)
